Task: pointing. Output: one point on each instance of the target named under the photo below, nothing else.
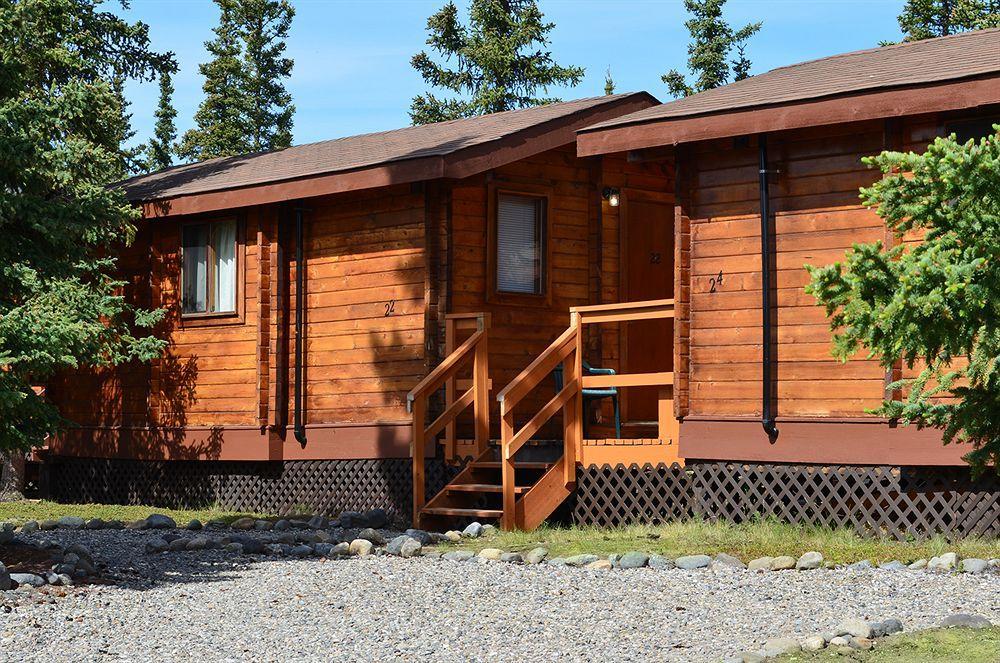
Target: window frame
(209, 317)
(493, 293)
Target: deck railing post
(419, 499)
(449, 391)
(507, 471)
(481, 408)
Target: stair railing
(568, 350)
(445, 374)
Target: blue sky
(352, 73)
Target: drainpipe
(300, 273)
(767, 418)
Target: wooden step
(484, 488)
(462, 513)
(518, 464)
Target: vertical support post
(449, 391)
(417, 449)
(508, 522)
(573, 410)
(480, 382)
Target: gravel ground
(212, 606)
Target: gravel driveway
(212, 606)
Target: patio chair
(594, 394)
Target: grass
(23, 510)
(747, 541)
(956, 645)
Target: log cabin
(466, 319)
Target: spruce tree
(609, 83)
(926, 19)
(500, 61)
(246, 107)
(712, 42)
(160, 148)
(62, 63)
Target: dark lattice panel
(892, 501)
(609, 496)
(317, 486)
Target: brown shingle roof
(357, 152)
(934, 60)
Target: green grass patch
(23, 510)
(956, 645)
(747, 541)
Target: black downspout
(767, 419)
(300, 272)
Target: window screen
(520, 244)
(208, 268)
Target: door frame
(668, 200)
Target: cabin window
(208, 268)
(520, 260)
(974, 129)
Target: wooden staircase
(518, 483)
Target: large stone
(783, 563)
(689, 562)
(6, 533)
(71, 522)
(194, 525)
(262, 525)
(318, 522)
(660, 562)
(351, 519)
(342, 549)
(301, 550)
(376, 518)
(781, 646)
(473, 531)
(492, 554)
(489, 530)
(178, 544)
(814, 643)
(863, 565)
(198, 543)
(725, 559)
(372, 535)
(30, 527)
(361, 547)
(95, 523)
(974, 565)
(752, 657)
(886, 627)
(894, 565)
(458, 555)
(511, 558)
(633, 560)
(160, 521)
(4, 578)
(958, 620)
(599, 565)
(243, 523)
(535, 556)
(760, 564)
(403, 546)
(863, 644)
(27, 579)
(420, 535)
(48, 524)
(946, 562)
(453, 535)
(253, 547)
(581, 560)
(918, 565)
(281, 525)
(156, 545)
(137, 524)
(854, 626)
(840, 641)
(809, 561)
(234, 547)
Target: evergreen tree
(62, 64)
(609, 83)
(499, 58)
(712, 42)
(925, 19)
(161, 147)
(246, 107)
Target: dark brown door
(649, 274)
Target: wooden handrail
(537, 370)
(447, 368)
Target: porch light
(612, 195)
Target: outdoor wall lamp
(612, 195)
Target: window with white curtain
(520, 244)
(208, 267)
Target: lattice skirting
(892, 501)
(317, 486)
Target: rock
(30, 527)
(492, 554)
(974, 565)
(253, 547)
(114, 524)
(5, 582)
(894, 565)
(918, 565)
(286, 537)
(322, 536)
(198, 543)
(557, 561)
(95, 523)
(995, 563)
(48, 525)
(780, 646)
(243, 523)
(234, 547)
(361, 547)
(752, 657)
(726, 559)
(377, 518)
(760, 564)
(690, 562)
(350, 519)
(262, 525)
(137, 524)
(809, 561)
(323, 549)
(431, 554)
(27, 579)
(342, 549)
(840, 641)
(453, 535)
(160, 521)
(535, 556)
(318, 522)
(178, 544)
(599, 565)
(633, 560)
(946, 562)
(458, 556)
(420, 535)
(958, 620)
(886, 627)
(276, 549)
(814, 643)
(403, 546)
(859, 628)
(71, 522)
(863, 644)
(473, 531)
(156, 545)
(581, 560)
(511, 558)
(863, 565)
(194, 525)
(301, 550)
(307, 537)
(660, 562)
(783, 563)
(281, 525)
(489, 530)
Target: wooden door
(648, 273)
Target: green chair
(594, 394)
